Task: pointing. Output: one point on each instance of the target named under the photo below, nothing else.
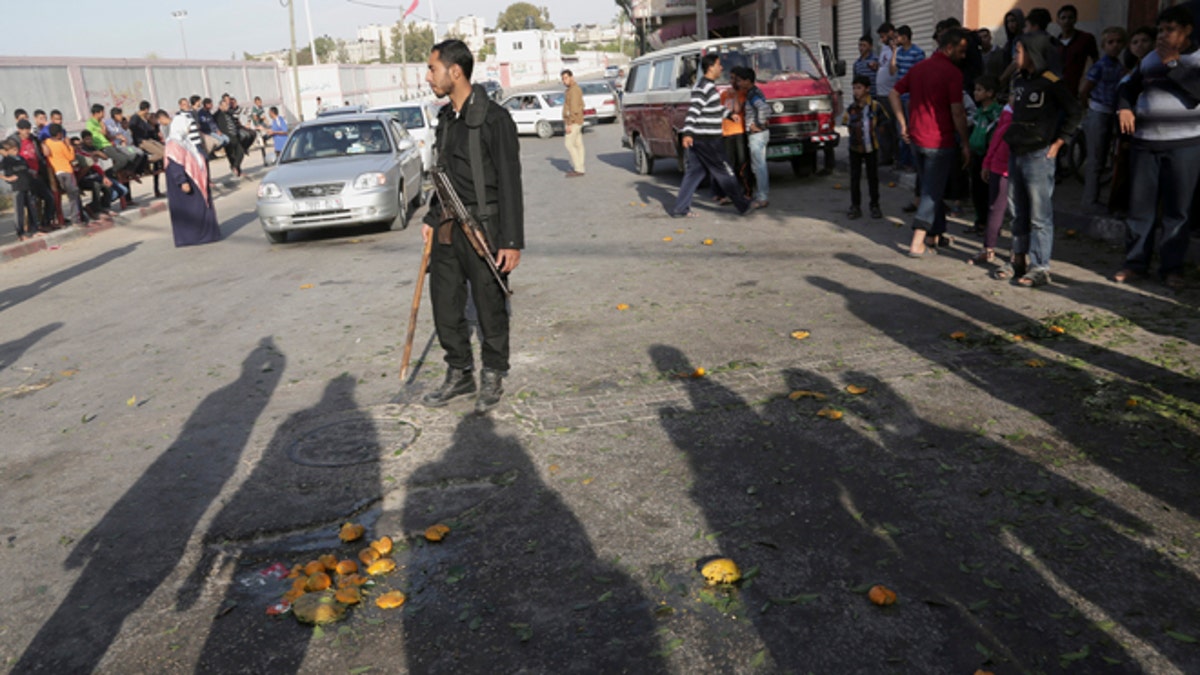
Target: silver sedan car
(339, 171)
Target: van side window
(639, 79)
(688, 65)
(664, 74)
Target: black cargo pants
(450, 268)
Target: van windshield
(771, 60)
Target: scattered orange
(437, 532)
(329, 561)
(390, 600)
(707, 242)
(622, 307)
(805, 393)
(293, 594)
(1035, 363)
(699, 372)
(1131, 403)
(368, 555)
(881, 595)
(347, 567)
(318, 582)
(297, 570)
(800, 334)
(351, 580)
(830, 414)
(313, 567)
(668, 238)
(348, 595)
(383, 545)
(958, 335)
(1057, 330)
(855, 389)
(351, 532)
(381, 566)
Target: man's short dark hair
(9, 144)
(56, 129)
(85, 135)
(862, 80)
(1178, 14)
(1039, 17)
(867, 39)
(886, 27)
(745, 73)
(206, 102)
(567, 72)
(257, 98)
(952, 37)
(144, 105)
(56, 111)
(988, 82)
(162, 113)
(24, 124)
(273, 109)
(97, 108)
(455, 53)
(19, 113)
(1068, 8)
(985, 29)
(39, 111)
(905, 31)
(707, 61)
(116, 111)
(195, 98)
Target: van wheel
(543, 129)
(643, 161)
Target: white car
(601, 97)
(419, 118)
(540, 112)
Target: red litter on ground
(276, 571)
(281, 607)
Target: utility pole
(433, 18)
(295, 65)
(701, 19)
(312, 41)
(180, 15)
(403, 55)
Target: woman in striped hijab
(189, 194)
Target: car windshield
(409, 118)
(771, 60)
(554, 100)
(593, 88)
(337, 140)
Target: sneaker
(876, 212)
(854, 213)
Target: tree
(569, 48)
(327, 48)
(627, 9)
(523, 16)
(417, 43)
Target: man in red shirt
(30, 150)
(937, 128)
(1078, 47)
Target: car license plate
(784, 150)
(308, 205)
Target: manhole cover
(350, 442)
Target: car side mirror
(839, 68)
(407, 144)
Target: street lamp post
(179, 15)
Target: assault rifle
(453, 209)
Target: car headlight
(269, 191)
(819, 105)
(368, 181)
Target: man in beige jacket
(573, 123)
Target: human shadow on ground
(1175, 317)
(13, 350)
(320, 479)
(11, 297)
(517, 572)
(1131, 434)
(560, 164)
(140, 540)
(236, 223)
(991, 554)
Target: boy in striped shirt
(702, 141)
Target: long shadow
(1087, 413)
(820, 507)
(560, 164)
(11, 297)
(238, 222)
(13, 350)
(293, 486)
(1174, 318)
(141, 539)
(517, 573)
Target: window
(554, 100)
(337, 140)
(689, 65)
(664, 72)
(771, 60)
(593, 88)
(517, 46)
(639, 79)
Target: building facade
(528, 56)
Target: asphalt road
(174, 421)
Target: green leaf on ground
(605, 597)
(759, 660)
(522, 630)
(993, 584)
(976, 606)
(670, 647)
(361, 669)
(1075, 656)
(475, 623)
(1182, 637)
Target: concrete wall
(72, 85)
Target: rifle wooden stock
(454, 208)
(416, 305)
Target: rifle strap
(477, 107)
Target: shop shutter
(810, 25)
(849, 30)
(917, 15)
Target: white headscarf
(181, 148)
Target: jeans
(74, 208)
(25, 212)
(933, 169)
(906, 150)
(758, 164)
(1166, 179)
(857, 160)
(1098, 129)
(1031, 187)
(707, 157)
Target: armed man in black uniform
(453, 261)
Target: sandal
(985, 257)
(724, 201)
(945, 240)
(1034, 279)
(1126, 275)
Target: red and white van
(658, 88)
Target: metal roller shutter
(917, 15)
(849, 30)
(810, 24)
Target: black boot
(458, 382)
(490, 389)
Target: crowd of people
(40, 162)
(991, 124)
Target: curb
(55, 240)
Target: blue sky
(216, 29)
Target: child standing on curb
(19, 178)
(1045, 116)
(861, 119)
(995, 175)
(983, 122)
